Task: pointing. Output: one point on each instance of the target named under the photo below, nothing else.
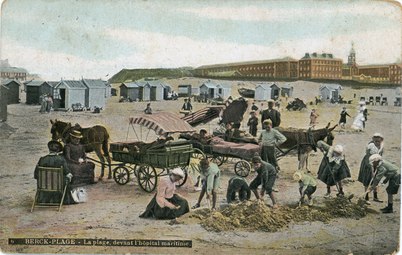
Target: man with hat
(333, 168)
(272, 114)
(266, 176)
(375, 146)
(55, 159)
(166, 204)
(252, 123)
(74, 152)
(269, 138)
(384, 168)
(307, 186)
(210, 175)
(238, 185)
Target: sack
(79, 195)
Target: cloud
(261, 13)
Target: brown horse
(94, 139)
(305, 141)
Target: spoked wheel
(195, 159)
(197, 154)
(219, 160)
(121, 175)
(183, 180)
(242, 168)
(147, 178)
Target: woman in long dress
(166, 204)
(375, 146)
(358, 122)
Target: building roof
(319, 56)
(330, 86)
(264, 85)
(34, 83)
(8, 81)
(223, 85)
(73, 84)
(130, 84)
(287, 86)
(92, 83)
(209, 84)
(256, 62)
(52, 83)
(11, 69)
(374, 66)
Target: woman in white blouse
(166, 204)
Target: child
(342, 120)
(252, 123)
(307, 186)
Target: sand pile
(256, 216)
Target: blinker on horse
(95, 139)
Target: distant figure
(148, 110)
(252, 124)
(187, 105)
(49, 103)
(254, 107)
(313, 118)
(271, 114)
(342, 120)
(43, 106)
(360, 119)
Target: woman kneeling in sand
(166, 204)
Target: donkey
(305, 141)
(94, 139)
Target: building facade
(320, 66)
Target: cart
(142, 160)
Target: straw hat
(338, 148)
(267, 122)
(178, 171)
(297, 176)
(362, 103)
(378, 135)
(375, 157)
(76, 134)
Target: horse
(305, 141)
(94, 139)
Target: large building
(320, 66)
(285, 68)
(12, 73)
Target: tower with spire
(352, 56)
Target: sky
(71, 39)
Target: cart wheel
(219, 160)
(121, 175)
(183, 180)
(195, 158)
(147, 178)
(197, 154)
(242, 168)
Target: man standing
(210, 174)
(269, 138)
(187, 105)
(342, 120)
(237, 184)
(383, 168)
(266, 176)
(272, 114)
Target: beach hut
(263, 91)
(224, 90)
(157, 90)
(287, 90)
(130, 90)
(95, 93)
(209, 89)
(34, 90)
(69, 92)
(184, 90)
(275, 90)
(3, 102)
(330, 92)
(13, 93)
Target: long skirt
(155, 211)
(365, 173)
(82, 174)
(54, 197)
(329, 176)
(358, 122)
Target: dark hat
(76, 134)
(55, 146)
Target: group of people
(46, 103)
(77, 170)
